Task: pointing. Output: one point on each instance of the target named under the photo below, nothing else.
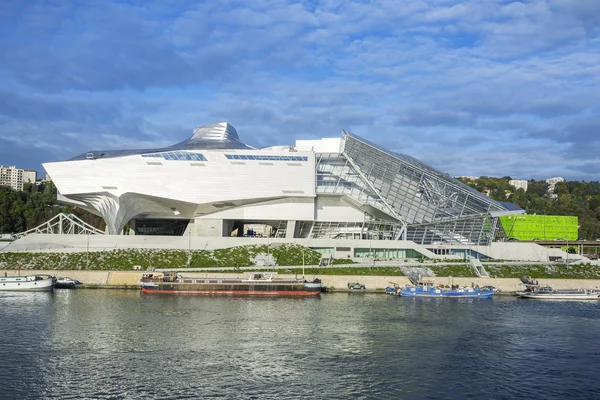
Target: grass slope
(284, 255)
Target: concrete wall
(334, 208)
(514, 251)
(296, 208)
(132, 278)
(79, 243)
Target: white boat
(533, 290)
(29, 283)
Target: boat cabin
(261, 276)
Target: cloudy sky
(481, 87)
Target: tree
(26, 209)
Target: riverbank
(131, 279)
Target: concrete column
(190, 229)
(132, 227)
(290, 232)
(226, 227)
(209, 227)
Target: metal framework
(63, 224)
(419, 203)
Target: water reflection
(120, 344)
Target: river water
(118, 344)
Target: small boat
(392, 289)
(258, 283)
(65, 282)
(29, 283)
(421, 288)
(533, 290)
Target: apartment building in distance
(29, 176)
(518, 183)
(552, 183)
(11, 176)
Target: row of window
(333, 183)
(177, 155)
(265, 158)
(180, 155)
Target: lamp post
(302, 263)
(87, 251)
(189, 255)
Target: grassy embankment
(284, 255)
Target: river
(119, 344)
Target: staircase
(326, 260)
(478, 268)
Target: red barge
(257, 284)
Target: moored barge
(257, 284)
(423, 288)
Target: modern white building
(12, 177)
(519, 183)
(212, 184)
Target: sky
(473, 88)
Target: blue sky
(482, 87)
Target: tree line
(34, 205)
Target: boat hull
(43, 285)
(233, 289)
(226, 292)
(446, 293)
(65, 286)
(560, 296)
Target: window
(265, 157)
(177, 156)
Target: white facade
(325, 145)
(518, 183)
(29, 176)
(212, 184)
(12, 177)
(552, 183)
(125, 187)
(555, 180)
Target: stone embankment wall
(132, 279)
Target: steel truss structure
(63, 224)
(402, 198)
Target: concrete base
(81, 243)
(339, 282)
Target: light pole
(302, 263)
(189, 258)
(87, 251)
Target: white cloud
(486, 87)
